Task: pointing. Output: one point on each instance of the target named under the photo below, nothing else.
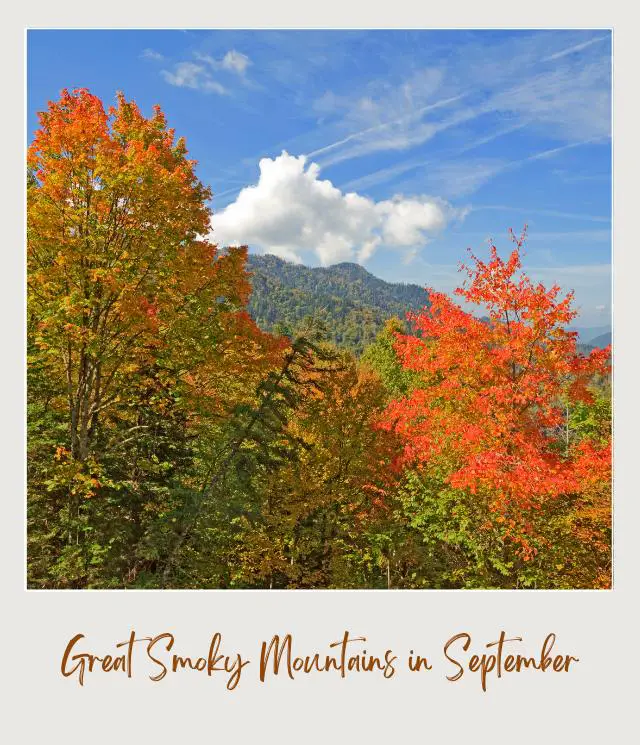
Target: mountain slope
(586, 335)
(351, 302)
(603, 340)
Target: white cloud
(212, 86)
(458, 178)
(391, 172)
(461, 178)
(292, 213)
(575, 48)
(151, 54)
(569, 103)
(477, 91)
(405, 222)
(236, 62)
(233, 61)
(388, 117)
(547, 213)
(565, 94)
(184, 75)
(191, 75)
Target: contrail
(385, 125)
(576, 48)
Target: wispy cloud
(462, 178)
(502, 132)
(592, 236)
(191, 75)
(233, 61)
(152, 55)
(555, 150)
(201, 74)
(546, 213)
(568, 101)
(568, 177)
(401, 140)
(435, 103)
(459, 178)
(574, 48)
(385, 175)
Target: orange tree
(494, 469)
(137, 332)
(311, 514)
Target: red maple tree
(491, 411)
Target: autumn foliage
(491, 411)
(174, 443)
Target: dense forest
(181, 434)
(351, 304)
(346, 299)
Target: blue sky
(396, 149)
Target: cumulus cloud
(292, 213)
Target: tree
(382, 357)
(137, 328)
(309, 523)
(484, 430)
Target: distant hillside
(603, 340)
(586, 334)
(352, 302)
(587, 340)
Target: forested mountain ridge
(352, 303)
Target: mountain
(586, 334)
(603, 340)
(351, 302)
(590, 338)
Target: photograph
(319, 309)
